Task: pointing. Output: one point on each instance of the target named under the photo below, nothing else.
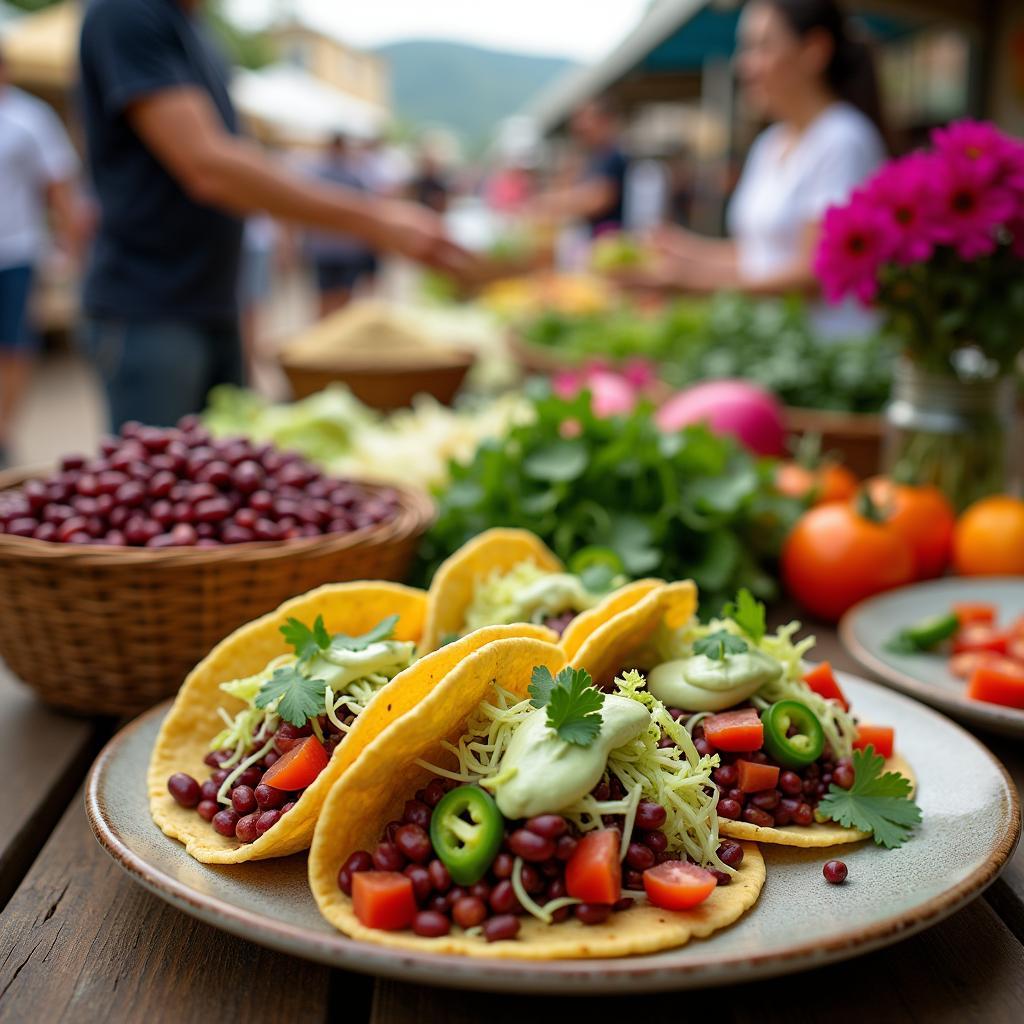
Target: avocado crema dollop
(700, 683)
(541, 773)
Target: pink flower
(976, 142)
(971, 207)
(904, 192)
(856, 240)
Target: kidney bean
(414, 843)
(721, 877)
(623, 904)
(243, 799)
(391, 830)
(501, 928)
(430, 924)
(843, 776)
(532, 879)
(729, 808)
(530, 846)
(245, 828)
(755, 816)
(803, 815)
(420, 878)
(592, 913)
(650, 815)
(550, 826)
(388, 857)
(469, 912)
(503, 898)
(207, 809)
(416, 813)
(224, 822)
(656, 840)
(767, 800)
(250, 777)
(267, 820)
(360, 860)
(551, 868)
(726, 776)
(835, 872)
(730, 853)
(565, 847)
(439, 877)
(268, 798)
(791, 783)
(184, 789)
(640, 857)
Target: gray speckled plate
(868, 627)
(971, 826)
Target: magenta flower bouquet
(935, 242)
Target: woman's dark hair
(851, 73)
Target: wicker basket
(114, 630)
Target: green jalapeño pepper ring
(804, 746)
(466, 830)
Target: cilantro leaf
(384, 630)
(877, 803)
(719, 644)
(748, 614)
(573, 703)
(307, 642)
(300, 698)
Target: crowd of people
(185, 213)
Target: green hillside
(465, 87)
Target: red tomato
(737, 732)
(963, 665)
(972, 639)
(298, 767)
(828, 482)
(822, 681)
(924, 518)
(678, 885)
(383, 899)
(998, 682)
(754, 778)
(835, 557)
(593, 873)
(972, 613)
(880, 737)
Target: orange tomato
(975, 613)
(822, 681)
(755, 778)
(829, 482)
(835, 557)
(998, 683)
(297, 768)
(924, 517)
(735, 731)
(989, 538)
(594, 873)
(383, 899)
(880, 737)
(677, 885)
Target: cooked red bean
(729, 808)
(725, 777)
(551, 868)
(267, 820)
(835, 872)
(530, 846)
(656, 840)
(532, 879)
(421, 884)
(433, 792)
(803, 815)
(550, 826)
(481, 890)
(565, 847)
(767, 800)
(555, 889)
(469, 912)
(730, 853)
(503, 898)
(184, 789)
(430, 924)
(633, 880)
(208, 790)
(391, 830)
(501, 928)
(207, 809)
(592, 913)
(755, 816)
(843, 776)
(388, 857)
(414, 843)
(268, 798)
(438, 903)
(287, 807)
(250, 777)
(791, 783)
(245, 828)
(439, 877)
(243, 799)
(639, 856)
(721, 877)
(624, 904)
(650, 815)
(416, 813)
(224, 822)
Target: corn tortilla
(586, 623)
(376, 787)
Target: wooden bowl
(855, 437)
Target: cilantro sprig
(877, 803)
(748, 614)
(572, 701)
(308, 643)
(720, 644)
(299, 696)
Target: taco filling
(570, 803)
(296, 711)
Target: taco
(519, 812)
(505, 576)
(278, 711)
(783, 733)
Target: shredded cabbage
(837, 723)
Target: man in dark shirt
(174, 179)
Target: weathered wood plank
(970, 967)
(43, 758)
(79, 941)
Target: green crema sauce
(700, 683)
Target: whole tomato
(989, 538)
(837, 555)
(925, 518)
(828, 482)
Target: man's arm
(182, 129)
(580, 201)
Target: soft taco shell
(375, 789)
(586, 623)
(457, 577)
(827, 833)
(193, 720)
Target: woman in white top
(800, 68)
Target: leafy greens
(572, 700)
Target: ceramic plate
(868, 627)
(971, 826)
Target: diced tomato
(593, 873)
(878, 736)
(980, 638)
(757, 777)
(973, 613)
(822, 680)
(998, 683)
(299, 767)
(1015, 647)
(737, 732)
(383, 899)
(678, 885)
(963, 665)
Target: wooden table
(79, 941)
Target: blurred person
(429, 186)
(174, 180)
(342, 263)
(595, 197)
(801, 67)
(646, 195)
(38, 172)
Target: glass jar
(959, 434)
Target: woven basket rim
(444, 360)
(415, 512)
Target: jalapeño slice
(466, 830)
(804, 746)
